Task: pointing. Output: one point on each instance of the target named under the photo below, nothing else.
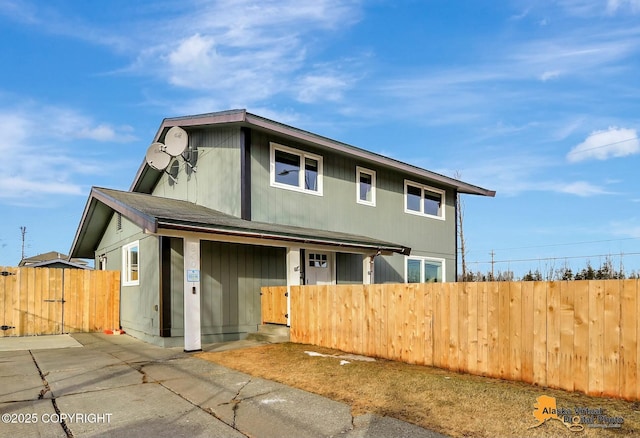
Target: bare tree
(460, 212)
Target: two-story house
(252, 202)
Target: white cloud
(39, 145)
(549, 75)
(605, 144)
(614, 6)
(582, 189)
(315, 87)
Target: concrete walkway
(118, 386)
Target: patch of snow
(344, 362)
(269, 401)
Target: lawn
(455, 404)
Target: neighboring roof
(49, 257)
(153, 213)
(146, 177)
(58, 263)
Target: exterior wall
(231, 278)
(337, 209)
(348, 268)
(216, 182)
(137, 303)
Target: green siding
(337, 209)
(348, 268)
(216, 182)
(232, 275)
(137, 303)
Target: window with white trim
(424, 270)
(131, 264)
(365, 186)
(297, 170)
(423, 200)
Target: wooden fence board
(540, 333)
(567, 323)
(526, 346)
(553, 334)
(515, 331)
(504, 330)
(493, 324)
(596, 337)
(483, 334)
(581, 337)
(463, 326)
(472, 328)
(611, 356)
(629, 340)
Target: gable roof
(146, 177)
(51, 257)
(153, 213)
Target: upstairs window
(423, 200)
(365, 186)
(130, 264)
(296, 170)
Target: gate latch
(7, 273)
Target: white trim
(372, 173)
(422, 260)
(301, 174)
(424, 188)
(126, 266)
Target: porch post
(293, 276)
(192, 331)
(367, 269)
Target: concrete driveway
(95, 385)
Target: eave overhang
(154, 214)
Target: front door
(319, 267)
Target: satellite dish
(156, 156)
(176, 141)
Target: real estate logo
(574, 419)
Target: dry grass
(454, 404)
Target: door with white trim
(319, 267)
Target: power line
(604, 145)
(493, 261)
(564, 244)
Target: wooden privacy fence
(44, 301)
(574, 335)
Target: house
(252, 202)
(53, 259)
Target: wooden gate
(274, 305)
(46, 301)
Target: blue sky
(537, 100)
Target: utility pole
(23, 230)
(492, 263)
